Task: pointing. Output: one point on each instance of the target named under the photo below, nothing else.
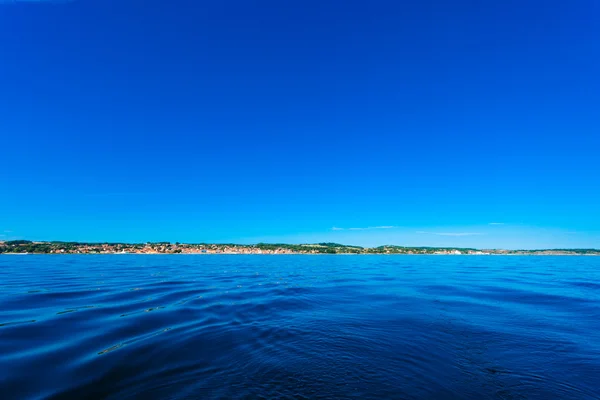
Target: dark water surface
(399, 327)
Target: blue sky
(465, 123)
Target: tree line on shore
(54, 247)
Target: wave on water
(403, 327)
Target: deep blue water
(399, 327)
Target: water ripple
(413, 327)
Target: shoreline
(328, 248)
(302, 254)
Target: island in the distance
(56, 247)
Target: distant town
(54, 247)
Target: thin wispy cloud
(450, 233)
(7, 231)
(496, 223)
(335, 228)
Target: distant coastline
(57, 247)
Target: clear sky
(459, 123)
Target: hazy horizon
(316, 241)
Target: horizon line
(300, 244)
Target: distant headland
(56, 247)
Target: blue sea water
(299, 327)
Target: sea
(299, 327)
